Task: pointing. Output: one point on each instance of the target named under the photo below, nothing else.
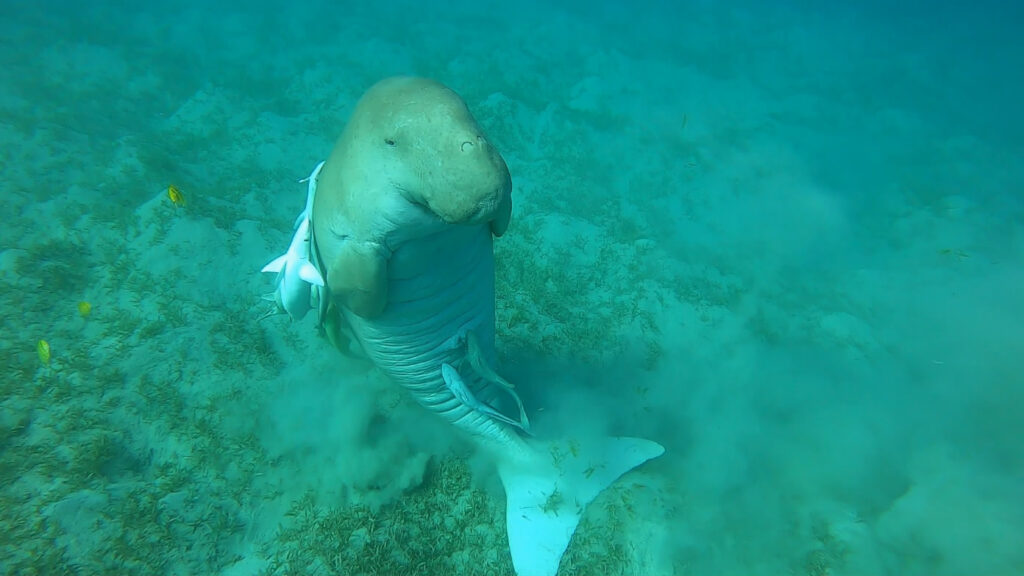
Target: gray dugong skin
(405, 211)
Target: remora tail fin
(547, 493)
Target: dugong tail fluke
(403, 218)
(546, 494)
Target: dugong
(405, 213)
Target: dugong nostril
(467, 146)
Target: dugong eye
(389, 141)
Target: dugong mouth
(481, 213)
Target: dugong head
(410, 154)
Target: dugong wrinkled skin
(404, 216)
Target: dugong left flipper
(406, 210)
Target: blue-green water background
(783, 239)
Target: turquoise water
(785, 241)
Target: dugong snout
(471, 186)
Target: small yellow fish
(43, 348)
(177, 198)
(84, 309)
